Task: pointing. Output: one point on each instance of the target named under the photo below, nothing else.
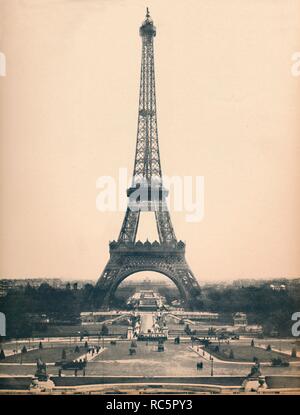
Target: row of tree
(272, 309)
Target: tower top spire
(147, 29)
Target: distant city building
(254, 329)
(3, 288)
(195, 315)
(281, 287)
(176, 303)
(148, 284)
(146, 300)
(240, 319)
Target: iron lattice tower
(148, 194)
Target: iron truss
(148, 194)
(147, 168)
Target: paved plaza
(176, 360)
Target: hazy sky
(228, 110)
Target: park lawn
(76, 330)
(47, 355)
(246, 353)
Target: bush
(294, 352)
(24, 349)
(269, 348)
(277, 361)
(104, 330)
(187, 329)
(211, 331)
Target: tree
(276, 361)
(294, 352)
(177, 340)
(269, 348)
(40, 345)
(86, 346)
(63, 354)
(104, 330)
(187, 329)
(24, 349)
(77, 350)
(205, 342)
(2, 354)
(252, 343)
(211, 331)
(231, 354)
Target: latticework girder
(147, 193)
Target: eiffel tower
(147, 194)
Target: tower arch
(159, 270)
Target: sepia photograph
(150, 226)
